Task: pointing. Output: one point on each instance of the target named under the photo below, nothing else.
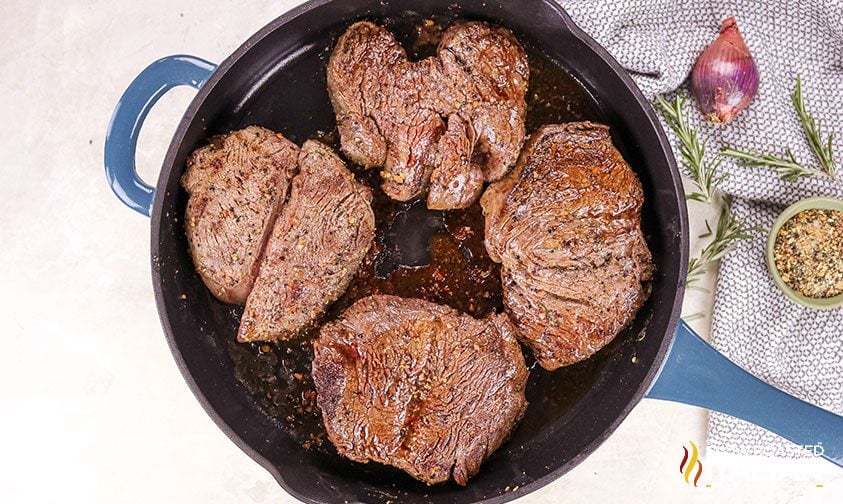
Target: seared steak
(419, 386)
(391, 112)
(566, 228)
(237, 185)
(317, 244)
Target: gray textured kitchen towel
(796, 349)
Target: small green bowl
(806, 204)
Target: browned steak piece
(419, 386)
(566, 228)
(317, 244)
(237, 185)
(391, 112)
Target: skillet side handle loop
(695, 373)
(121, 138)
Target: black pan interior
(261, 395)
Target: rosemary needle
(703, 172)
(823, 150)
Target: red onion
(725, 78)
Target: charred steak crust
(566, 227)
(392, 113)
(237, 185)
(419, 386)
(317, 244)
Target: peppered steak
(237, 185)
(419, 386)
(391, 112)
(566, 228)
(317, 244)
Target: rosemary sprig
(703, 172)
(730, 230)
(787, 167)
(823, 150)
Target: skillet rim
(168, 166)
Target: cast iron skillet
(276, 79)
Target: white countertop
(93, 407)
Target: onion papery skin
(725, 78)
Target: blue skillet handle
(695, 373)
(121, 138)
